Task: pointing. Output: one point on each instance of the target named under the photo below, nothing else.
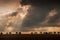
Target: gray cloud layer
(38, 16)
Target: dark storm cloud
(35, 16)
(7, 0)
(40, 2)
(40, 9)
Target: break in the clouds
(12, 15)
(29, 15)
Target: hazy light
(8, 29)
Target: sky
(29, 15)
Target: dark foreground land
(30, 37)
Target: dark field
(30, 36)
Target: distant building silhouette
(19, 32)
(58, 32)
(41, 33)
(9, 32)
(50, 33)
(45, 33)
(31, 32)
(35, 32)
(6, 32)
(54, 32)
(16, 32)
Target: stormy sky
(29, 15)
(41, 11)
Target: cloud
(41, 11)
(31, 15)
(51, 14)
(41, 14)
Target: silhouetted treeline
(19, 36)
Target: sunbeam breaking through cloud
(29, 15)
